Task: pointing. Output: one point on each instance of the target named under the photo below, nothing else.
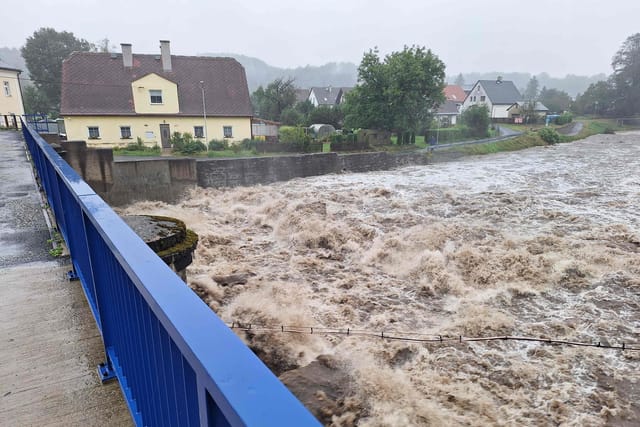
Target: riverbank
(531, 139)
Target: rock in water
(323, 387)
(232, 279)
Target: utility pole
(204, 112)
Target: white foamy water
(543, 242)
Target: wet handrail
(177, 363)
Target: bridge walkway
(49, 343)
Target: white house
(498, 95)
(327, 96)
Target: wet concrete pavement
(49, 343)
(23, 230)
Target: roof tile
(98, 83)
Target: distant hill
(346, 73)
(571, 83)
(259, 73)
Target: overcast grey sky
(556, 36)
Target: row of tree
(619, 95)
(277, 101)
(397, 93)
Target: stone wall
(168, 179)
(263, 170)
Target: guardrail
(177, 363)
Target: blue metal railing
(177, 363)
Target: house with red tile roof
(112, 99)
(454, 93)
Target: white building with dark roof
(327, 96)
(497, 95)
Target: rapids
(543, 242)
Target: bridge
(119, 307)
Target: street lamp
(204, 110)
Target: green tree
(398, 93)
(555, 100)
(43, 53)
(104, 45)
(528, 111)
(291, 117)
(270, 102)
(477, 119)
(459, 80)
(532, 90)
(35, 100)
(327, 116)
(626, 76)
(368, 104)
(598, 99)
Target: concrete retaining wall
(263, 170)
(168, 179)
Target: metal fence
(177, 363)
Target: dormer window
(155, 96)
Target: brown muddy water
(543, 242)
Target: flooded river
(543, 242)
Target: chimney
(165, 55)
(127, 55)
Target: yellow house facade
(112, 99)
(109, 131)
(10, 92)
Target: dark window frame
(198, 131)
(125, 134)
(155, 96)
(94, 132)
(227, 131)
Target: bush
(185, 144)
(136, 146)
(294, 135)
(564, 119)
(477, 119)
(218, 145)
(177, 142)
(550, 136)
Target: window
(94, 132)
(482, 98)
(198, 131)
(149, 134)
(227, 131)
(156, 96)
(125, 132)
(7, 88)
